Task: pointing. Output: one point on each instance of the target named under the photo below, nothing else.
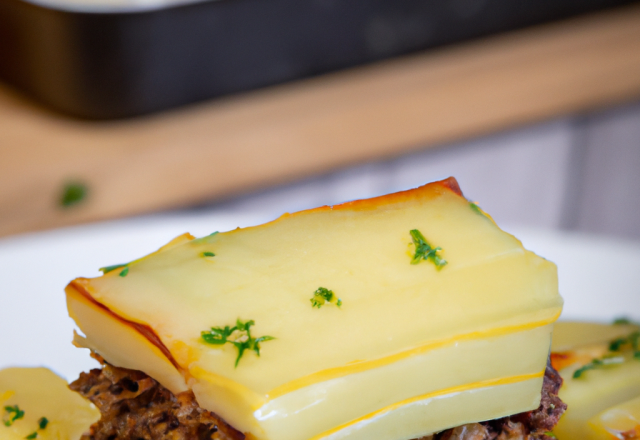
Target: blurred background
(112, 109)
(126, 122)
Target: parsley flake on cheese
(323, 295)
(424, 251)
(13, 413)
(238, 335)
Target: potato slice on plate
(37, 404)
(601, 373)
(621, 421)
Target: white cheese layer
(429, 413)
(403, 330)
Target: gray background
(579, 172)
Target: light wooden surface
(235, 144)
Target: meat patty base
(136, 407)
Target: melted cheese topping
(40, 393)
(402, 331)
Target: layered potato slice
(37, 404)
(601, 386)
(361, 324)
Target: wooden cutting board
(236, 144)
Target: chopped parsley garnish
(633, 340)
(72, 194)
(323, 295)
(13, 413)
(598, 363)
(614, 357)
(424, 251)
(208, 254)
(238, 335)
(550, 434)
(616, 346)
(474, 206)
(42, 424)
(123, 272)
(108, 269)
(625, 321)
(205, 239)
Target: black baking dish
(113, 62)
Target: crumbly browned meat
(136, 407)
(551, 407)
(531, 425)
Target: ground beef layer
(136, 407)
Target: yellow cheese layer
(396, 318)
(38, 393)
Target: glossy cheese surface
(395, 319)
(39, 392)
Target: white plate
(599, 278)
